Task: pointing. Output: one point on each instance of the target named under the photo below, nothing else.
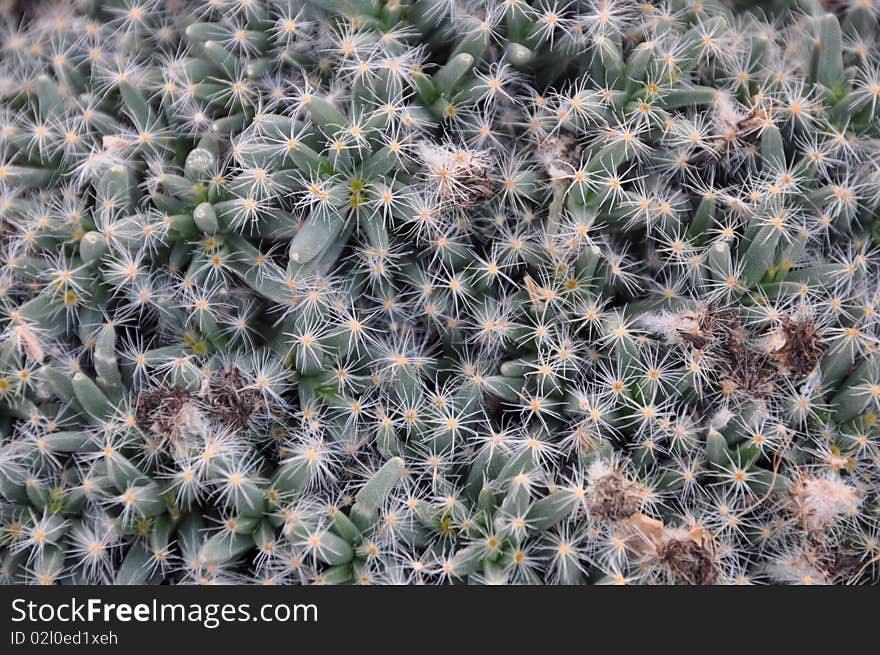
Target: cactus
(428, 291)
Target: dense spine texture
(442, 291)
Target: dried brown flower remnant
(749, 365)
(837, 563)
(228, 400)
(735, 131)
(838, 7)
(814, 562)
(689, 559)
(686, 556)
(707, 327)
(24, 337)
(641, 534)
(611, 496)
(159, 410)
(718, 332)
(817, 502)
(560, 154)
(459, 177)
(795, 347)
(747, 372)
(7, 232)
(538, 295)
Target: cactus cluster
(440, 291)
